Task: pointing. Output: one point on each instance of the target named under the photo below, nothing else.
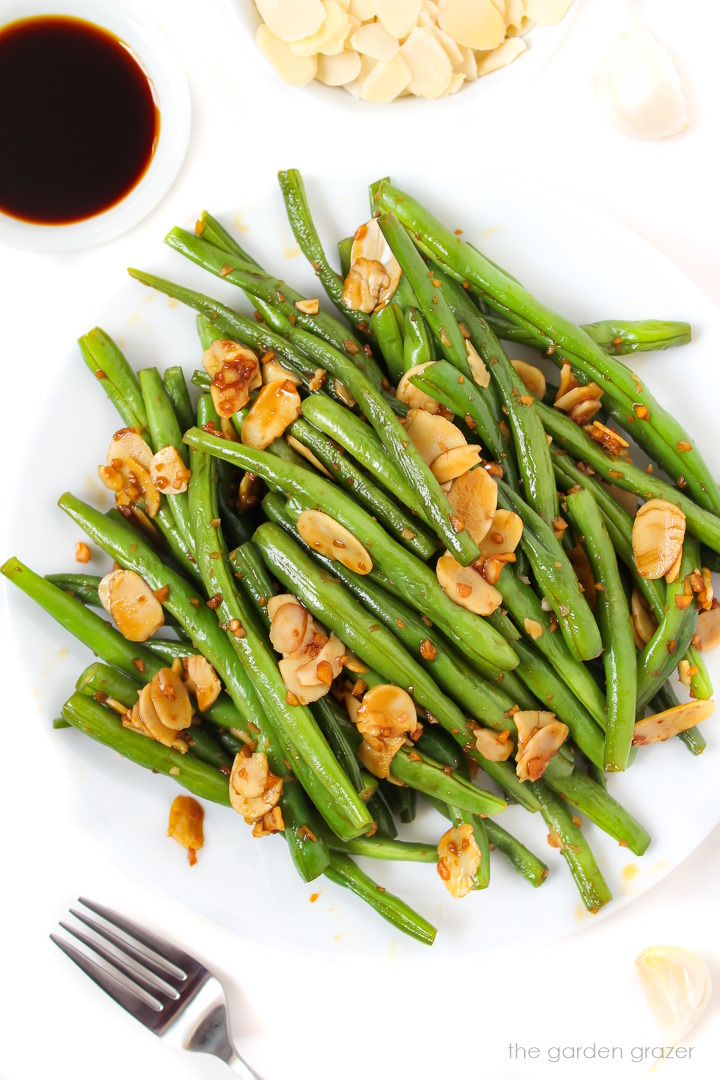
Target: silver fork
(168, 991)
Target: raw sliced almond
(168, 471)
(430, 69)
(386, 711)
(170, 699)
(413, 395)
(454, 463)
(547, 12)
(322, 533)
(479, 24)
(657, 537)
(330, 36)
(466, 587)
(132, 604)
(373, 40)
(432, 435)
(302, 694)
(339, 69)
(500, 57)
(398, 17)
(504, 533)
(274, 409)
(532, 377)
(664, 725)
(473, 498)
(459, 859)
(293, 69)
(202, 680)
(493, 745)
(387, 80)
(291, 20)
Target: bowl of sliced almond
(381, 51)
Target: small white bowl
(541, 41)
(166, 73)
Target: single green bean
(343, 871)
(176, 389)
(108, 365)
(592, 800)
(575, 850)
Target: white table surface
(292, 1018)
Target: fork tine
(106, 982)
(154, 990)
(182, 961)
(165, 971)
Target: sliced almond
(577, 395)
(473, 497)
(504, 533)
(128, 444)
(186, 825)
(527, 722)
(708, 629)
(532, 377)
(330, 538)
(308, 307)
(293, 69)
(272, 370)
(132, 604)
(254, 790)
(452, 464)
(148, 720)
(478, 25)
(250, 491)
(643, 621)
(450, 46)
(547, 12)
(657, 537)
(466, 587)
(365, 284)
(468, 65)
(583, 572)
(502, 56)
(235, 372)
(610, 440)
(373, 40)
(540, 748)
(397, 16)
(369, 243)
(430, 69)
(493, 745)
(303, 694)
(432, 435)
(413, 395)
(324, 667)
(386, 711)
(131, 484)
(377, 754)
(459, 859)
(664, 725)
(291, 20)
(168, 472)
(170, 697)
(339, 69)
(202, 680)
(329, 37)
(274, 409)
(387, 81)
(478, 370)
(568, 382)
(303, 451)
(291, 628)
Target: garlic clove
(677, 985)
(642, 87)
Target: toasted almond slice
(303, 451)
(293, 69)
(387, 81)
(364, 10)
(413, 395)
(128, 444)
(478, 25)
(386, 711)
(674, 571)
(542, 746)
(459, 859)
(186, 825)
(464, 586)
(532, 377)
(500, 57)
(664, 725)
(344, 394)
(377, 754)
(473, 497)
(708, 629)
(585, 411)
(272, 370)
(375, 41)
(547, 12)
(324, 667)
(276, 602)
(325, 39)
(432, 435)
(583, 572)
(149, 720)
(568, 382)
(254, 790)
(304, 695)
(369, 243)
(492, 745)
(454, 463)
(223, 352)
(527, 722)
(270, 823)
(577, 395)
(643, 621)
(291, 20)
(308, 307)
(274, 409)
(657, 537)
(291, 629)
(330, 538)
(533, 628)
(201, 680)
(168, 472)
(478, 370)
(170, 698)
(430, 69)
(339, 69)
(398, 17)
(235, 372)
(504, 533)
(364, 285)
(132, 604)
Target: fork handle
(241, 1067)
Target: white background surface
(324, 1020)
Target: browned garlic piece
(201, 680)
(458, 860)
(644, 623)
(168, 472)
(254, 790)
(235, 372)
(708, 629)
(473, 498)
(186, 825)
(657, 538)
(413, 395)
(466, 587)
(273, 410)
(493, 745)
(664, 725)
(504, 533)
(330, 538)
(540, 736)
(131, 604)
(532, 377)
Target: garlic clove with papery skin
(642, 87)
(677, 984)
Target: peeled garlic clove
(677, 984)
(642, 87)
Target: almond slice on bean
(504, 533)
(577, 395)
(532, 377)
(254, 790)
(322, 533)
(171, 700)
(432, 435)
(664, 725)
(377, 754)
(272, 370)
(452, 464)
(413, 395)
(273, 410)
(479, 25)
(132, 604)
(708, 629)
(477, 366)
(644, 623)
(291, 629)
(324, 667)
(202, 680)
(527, 722)
(302, 693)
(303, 451)
(148, 720)
(128, 444)
(168, 471)
(466, 587)
(539, 749)
(369, 243)
(459, 859)
(386, 711)
(293, 69)
(430, 69)
(473, 497)
(657, 538)
(492, 745)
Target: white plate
(583, 263)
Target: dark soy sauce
(78, 120)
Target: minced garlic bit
(131, 604)
(459, 859)
(254, 789)
(186, 825)
(383, 49)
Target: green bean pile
(214, 560)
